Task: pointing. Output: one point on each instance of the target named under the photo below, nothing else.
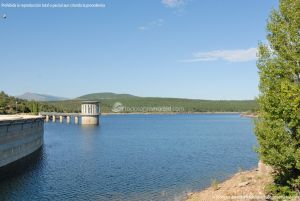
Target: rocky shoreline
(244, 185)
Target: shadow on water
(23, 166)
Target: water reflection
(25, 165)
(89, 134)
(89, 129)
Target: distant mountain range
(40, 97)
(93, 96)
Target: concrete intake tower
(90, 111)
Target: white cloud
(238, 55)
(172, 3)
(152, 24)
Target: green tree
(3, 102)
(278, 128)
(34, 107)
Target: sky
(199, 49)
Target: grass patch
(214, 184)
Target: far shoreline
(242, 114)
(167, 113)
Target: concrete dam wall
(20, 136)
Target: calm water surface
(135, 157)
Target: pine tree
(278, 128)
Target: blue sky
(202, 49)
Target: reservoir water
(135, 157)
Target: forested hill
(105, 95)
(146, 104)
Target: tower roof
(89, 102)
